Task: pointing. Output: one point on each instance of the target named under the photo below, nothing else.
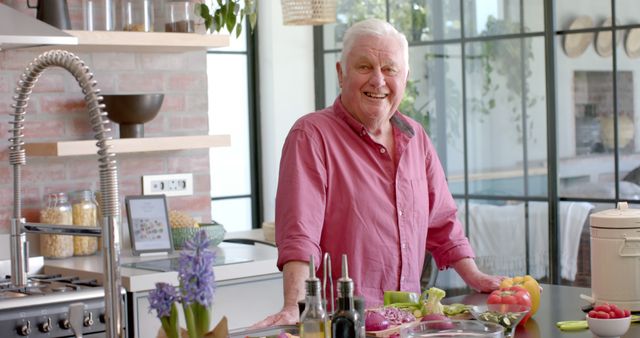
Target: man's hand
(476, 279)
(287, 316)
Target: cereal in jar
(57, 210)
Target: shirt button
(402, 278)
(363, 132)
(400, 212)
(382, 150)
(404, 245)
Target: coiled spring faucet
(110, 226)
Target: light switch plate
(169, 185)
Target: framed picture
(149, 228)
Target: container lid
(622, 217)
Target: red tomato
(512, 295)
(627, 313)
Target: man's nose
(376, 79)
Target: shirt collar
(397, 120)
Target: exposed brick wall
(56, 112)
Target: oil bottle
(314, 319)
(344, 323)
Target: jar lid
(622, 217)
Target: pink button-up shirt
(339, 192)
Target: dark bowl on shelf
(131, 111)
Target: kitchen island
(248, 283)
(557, 303)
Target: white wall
(286, 89)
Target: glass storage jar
(137, 15)
(180, 17)
(99, 15)
(85, 213)
(56, 210)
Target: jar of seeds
(56, 210)
(85, 213)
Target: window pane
(499, 232)
(567, 12)
(234, 214)
(443, 20)
(426, 20)
(229, 114)
(349, 12)
(332, 88)
(626, 12)
(535, 106)
(434, 97)
(492, 17)
(496, 105)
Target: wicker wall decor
(308, 12)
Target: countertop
(254, 260)
(557, 303)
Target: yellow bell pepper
(530, 284)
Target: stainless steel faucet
(110, 226)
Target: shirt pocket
(420, 193)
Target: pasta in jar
(85, 213)
(57, 210)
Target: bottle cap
(345, 284)
(313, 282)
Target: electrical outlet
(170, 184)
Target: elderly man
(359, 178)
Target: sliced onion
(375, 321)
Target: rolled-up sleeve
(300, 199)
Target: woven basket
(308, 12)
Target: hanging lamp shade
(308, 12)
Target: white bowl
(609, 328)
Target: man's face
(374, 78)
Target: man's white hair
(370, 27)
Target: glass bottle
(85, 213)
(137, 15)
(56, 210)
(314, 319)
(99, 15)
(345, 321)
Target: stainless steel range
(46, 307)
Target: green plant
(500, 59)
(229, 15)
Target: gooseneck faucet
(110, 226)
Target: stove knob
(46, 326)
(65, 324)
(24, 329)
(88, 320)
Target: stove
(41, 309)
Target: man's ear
(339, 71)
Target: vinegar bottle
(345, 322)
(313, 320)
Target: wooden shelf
(127, 145)
(118, 41)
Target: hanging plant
(228, 15)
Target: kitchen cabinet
(127, 145)
(243, 301)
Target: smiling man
(362, 179)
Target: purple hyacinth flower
(162, 298)
(197, 280)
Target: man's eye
(364, 67)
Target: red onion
(375, 321)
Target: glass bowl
(506, 315)
(452, 328)
(609, 328)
